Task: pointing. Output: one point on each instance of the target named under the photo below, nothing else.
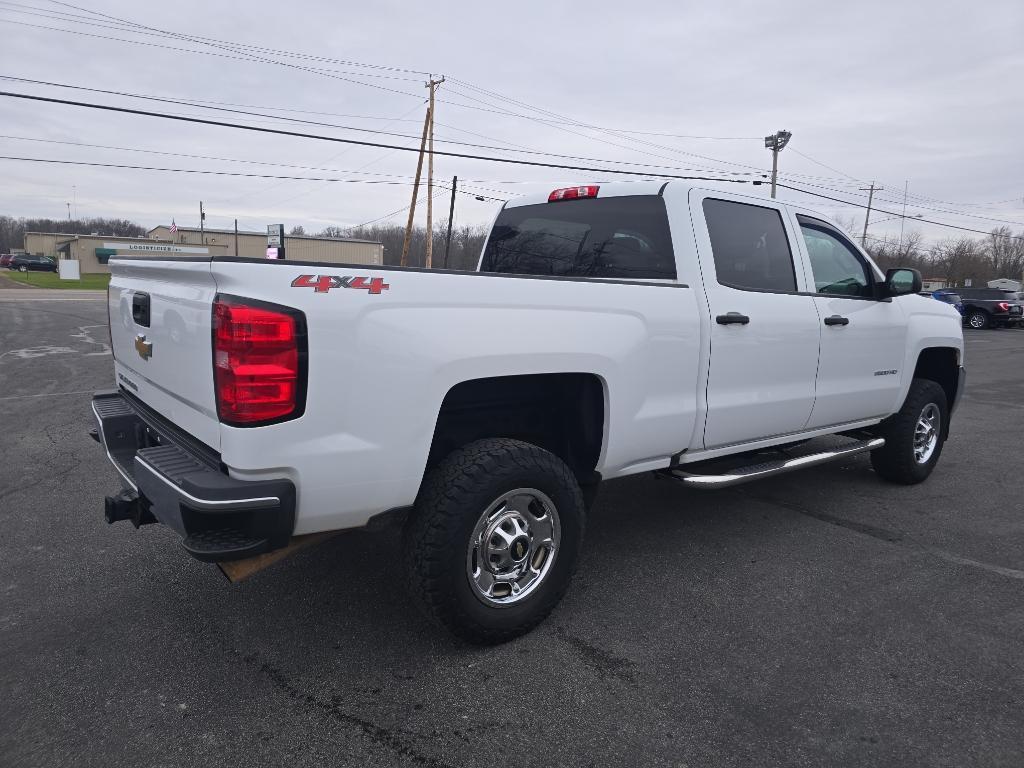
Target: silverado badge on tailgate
(324, 283)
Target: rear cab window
(624, 237)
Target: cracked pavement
(821, 618)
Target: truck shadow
(350, 590)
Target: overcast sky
(925, 92)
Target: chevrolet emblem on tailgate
(143, 347)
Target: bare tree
(1006, 253)
(12, 230)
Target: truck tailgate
(160, 328)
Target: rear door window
(749, 246)
(612, 237)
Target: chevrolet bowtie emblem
(143, 347)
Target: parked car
(948, 297)
(991, 307)
(5, 259)
(26, 262)
(609, 330)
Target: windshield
(623, 237)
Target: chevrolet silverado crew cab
(711, 337)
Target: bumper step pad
(223, 544)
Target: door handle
(837, 320)
(140, 309)
(732, 318)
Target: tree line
(955, 259)
(12, 230)
(467, 242)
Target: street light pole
(776, 143)
(906, 186)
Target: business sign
(275, 241)
(155, 248)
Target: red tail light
(573, 193)
(259, 361)
(1004, 306)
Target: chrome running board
(764, 469)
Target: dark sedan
(24, 262)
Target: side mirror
(900, 282)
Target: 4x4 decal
(324, 283)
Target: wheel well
(561, 412)
(940, 364)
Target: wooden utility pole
(415, 188)
(867, 215)
(432, 85)
(451, 215)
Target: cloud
(919, 91)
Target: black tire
(978, 320)
(896, 461)
(453, 498)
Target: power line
(202, 171)
(893, 213)
(357, 142)
(916, 205)
(150, 44)
(206, 172)
(237, 48)
(181, 102)
(225, 42)
(75, 19)
(441, 191)
(914, 196)
(506, 160)
(687, 135)
(823, 165)
(198, 157)
(560, 120)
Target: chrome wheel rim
(513, 546)
(926, 433)
(977, 321)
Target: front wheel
(493, 539)
(914, 436)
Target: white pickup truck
(636, 327)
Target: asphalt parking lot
(822, 618)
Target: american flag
(174, 227)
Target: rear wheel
(493, 539)
(978, 320)
(913, 437)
